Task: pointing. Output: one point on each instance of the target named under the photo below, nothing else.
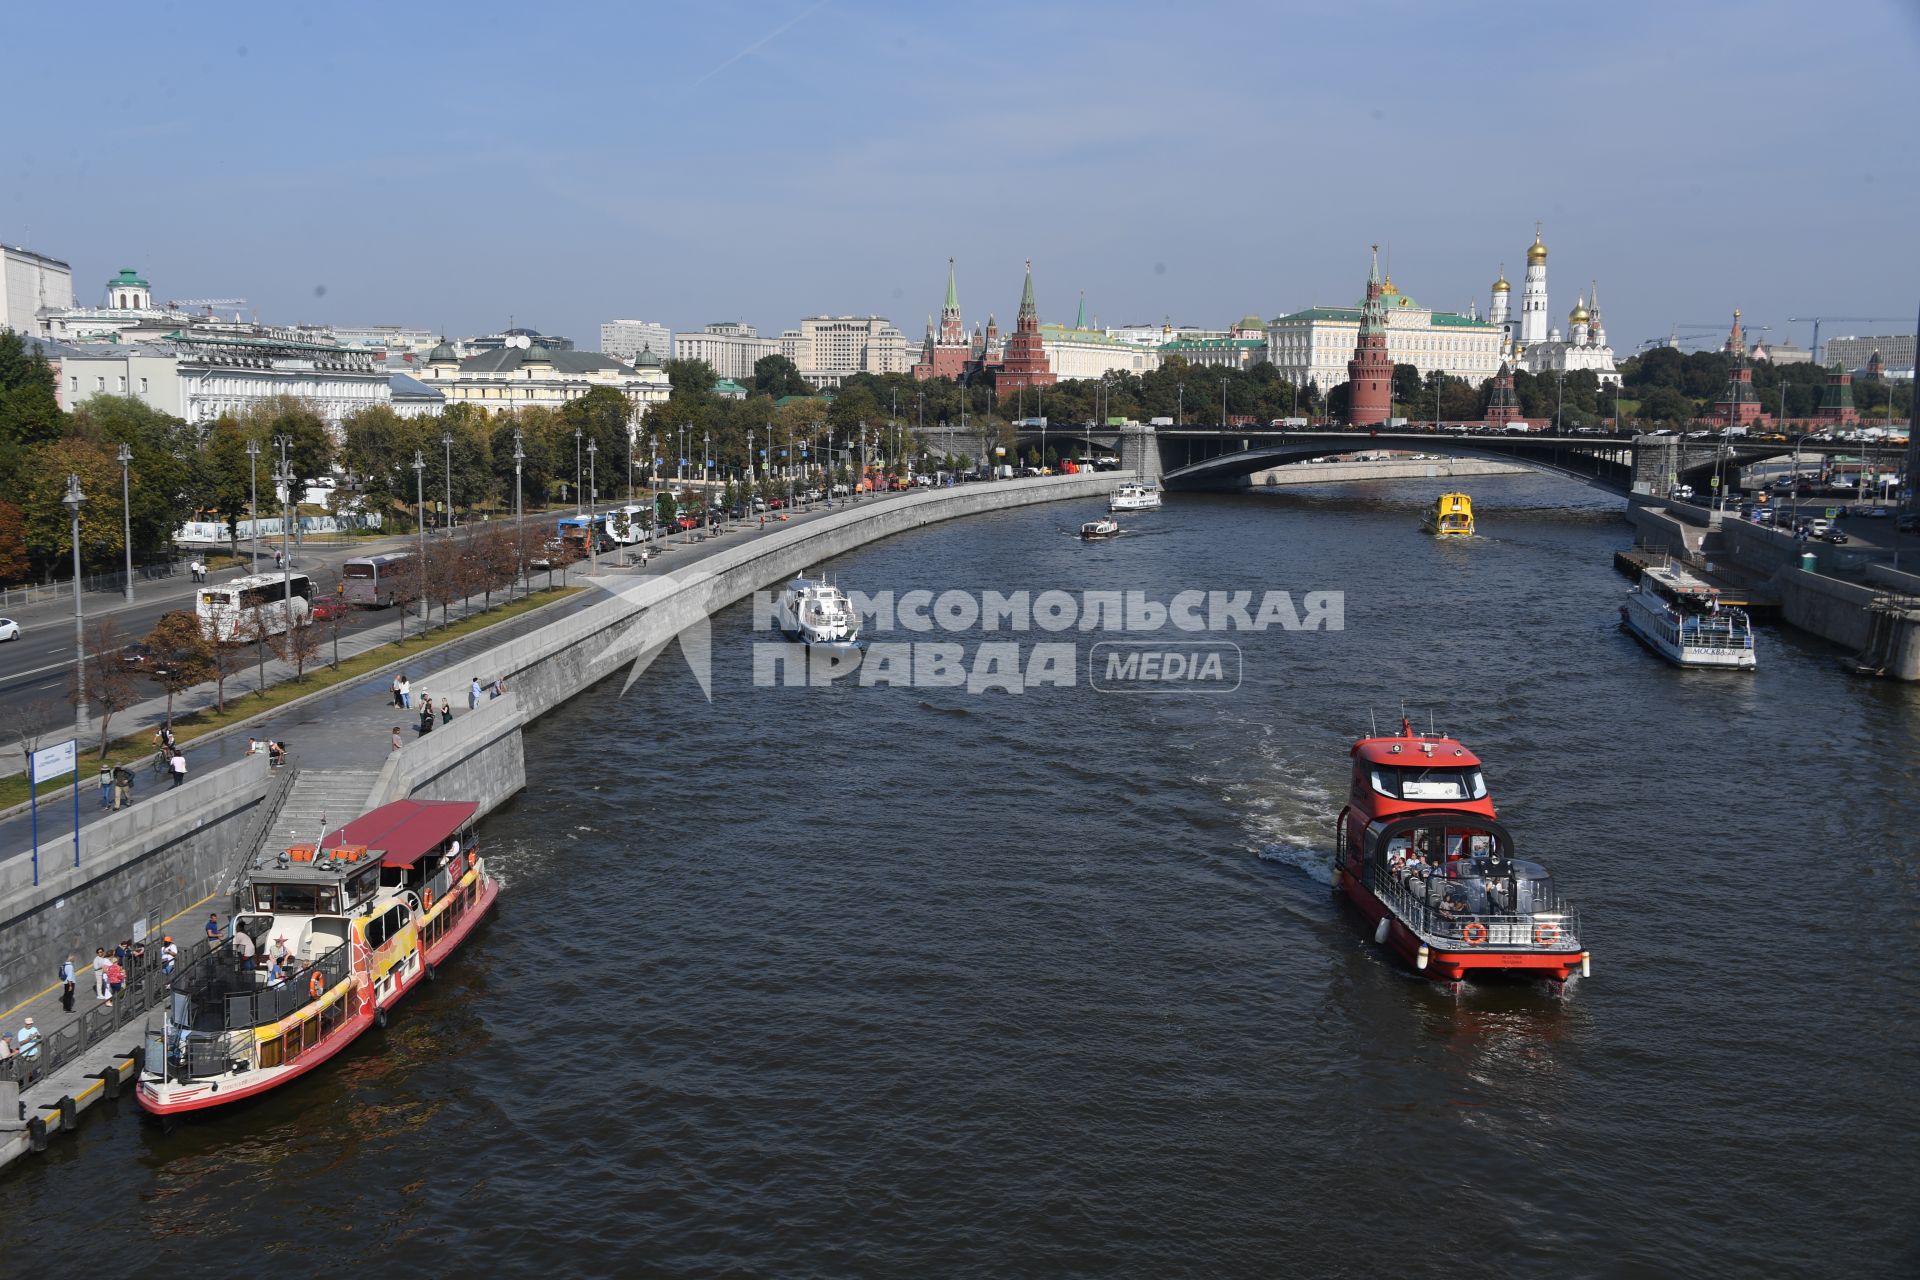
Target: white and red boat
(341, 931)
(1420, 852)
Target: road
(35, 670)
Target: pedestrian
(406, 693)
(213, 929)
(253, 746)
(179, 766)
(426, 720)
(396, 737)
(279, 559)
(395, 687)
(116, 977)
(500, 685)
(276, 976)
(100, 963)
(67, 985)
(473, 694)
(26, 1041)
(137, 960)
(446, 712)
(106, 786)
(243, 949)
(169, 954)
(122, 786)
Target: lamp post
(1223, 404)
(576, 471)
(420, 499)
(593, 493)
(126, 516)
(73, 501)
(519, 521)
(253, 504)
(1560, 407)
(446, 440)
(285, 478)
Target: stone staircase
(321, 799)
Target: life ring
(315, 985)
(427, 901)
(1546, 934)
(1475, 934)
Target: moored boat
(340, 931)
(1099, 530)
(817, 613)
(1681, 618)
(1420, 852)
(1134, 496)
(1450, 516)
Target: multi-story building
(626, 339)
(30, 285)
(398, 339)
(1079, 350)
(511, 337)
(525, 374)
(203, 377)
(1241, 347)
(1537, 347)
(732, 348)
(1315, 345)
(1856, 354)
(828, 349)
(127, 314)
(413, 398)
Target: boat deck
(1757, 602)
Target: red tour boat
(1419, 851)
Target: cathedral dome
(443, 354)
(1501, 285)
(1579, 313)
(1536, 252)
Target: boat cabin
(1442, 870)
(1416, 771)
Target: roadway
(36, 669)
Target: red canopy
(406, 830)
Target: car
(137, 657)
(1907, 523)
(1682, 491)
(1835, 536)
(1818, 527)
(9, 629)
(328, 609)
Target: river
(879, 981)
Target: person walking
(116, 978)
(106, 786)
(122, 786)
(426, 720)
(395, 688)
(178, 765)
(100, 963)
(213, 929)
(446, 711)
(473, 694)
(396, 737)
(406, 693)
(67, 985)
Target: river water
(883, 981)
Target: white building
(1315, 344)
(827, 349)
(1537, 347)
(731, 348)
(31, 283)
(126, 314)
(147, 371)
(525, 374)
(1856, 354)
(397, 338)
(201, 378)
(1074, 352)
(626, 339)
(413, 398)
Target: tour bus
(372, 580)
(227, 613)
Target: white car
(9, 629)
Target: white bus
(372, 580)
(227, 612)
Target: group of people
(275, 750)
(404, 698)
(197, 570)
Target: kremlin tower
(1738, 405)
(1024, 361)
(1503, 406)
(1836, 398)
(1533, 293)
(945, 352)
(1370, 372)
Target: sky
(459, 166)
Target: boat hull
(1452, 962)
(1649, 628)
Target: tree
(50, 523)
(182, 656)
(1406, 384)
(14, 565)
(775, 376)
(163, 476)
(111, 688)
(310, 444)
(297, 644)
(601, 416)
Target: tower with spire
(1024, 362)
(1497, 313)
(1538, 347)
(1739, 404)
(1370, 372)
(946, 349)
(1533, 293)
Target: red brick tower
(1370, 372)
(1836, 398)
(1738, 405)
(1024, 363)
(1503, 406)
(946, 350)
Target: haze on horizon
(764, 161)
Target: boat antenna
(1431, 731)
(1373, 720)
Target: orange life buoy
(428, 900)
(1545, 934)
(315, 985)
(1474, 934)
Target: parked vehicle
(327, 609)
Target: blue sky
(450, 166)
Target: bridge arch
(1610, 470)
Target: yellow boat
(1451, 516)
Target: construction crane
(1815, 321)
(1694, 333)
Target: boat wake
(1313, 863)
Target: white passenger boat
(817, 613)
(1681, 618)
(1100, 530)
(1133, 496)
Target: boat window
(1408, 782)
(385, 925)
(363, 884)
(296, 899)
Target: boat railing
(1553, 924)
(220, 983)
(147, 984)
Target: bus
(372, 580)
(227, 612)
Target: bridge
(1212, 458)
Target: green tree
(601, 416)
(14, 564)
(184, 657)
(310, 448)
(164, 477)
(49, 524)
(775, 376)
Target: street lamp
(519, 515)
(446, 439)
(73, 501)
(285, 478)
(576, 471)
(593, 487)
(253, 504)
(126, 516)
(420, 499)
(1180, 404)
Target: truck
(1159, 422)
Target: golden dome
(1536, 252)
(1501, 285)
(1579, 313)
(1388, 286)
